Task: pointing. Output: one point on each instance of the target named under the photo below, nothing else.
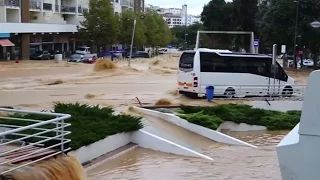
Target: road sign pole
(256, 46)
(133, 32)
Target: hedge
(88, 123)
(212, 116)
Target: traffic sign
(256, 43)
(283, 49)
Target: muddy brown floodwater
(230, 162)
(36, 85)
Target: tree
(101, 25)
(163, 32)
(126, 28)
(278, 24)
(191, 31)
(152, 28)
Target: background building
(175, 16)
(40, 25)
(138, 5)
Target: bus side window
(280, 74)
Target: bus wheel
(287, 91)
(191, 95)
(229, 93)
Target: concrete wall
(13, 15)
(208, 133)
(3, 14)
(150, 141)
(99, 148)
(141, 138)
(277, 105)
(242, 127)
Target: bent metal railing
(259, 92)
(18, 137)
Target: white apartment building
(177, 16)
(30, 25)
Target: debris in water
(59, 81)
(104, 64)
(89, 96)
(163, 101)
(174, 92)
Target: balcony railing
(35, 5)
(82, 10)
(127, 3)
(14, 3)
(47, 6)
(68, 9)
(24, 142)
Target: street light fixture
(296, 34)
(315, 24)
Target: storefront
(6, 47)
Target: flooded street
(232, 163)
(37, 85)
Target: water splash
(61, 168)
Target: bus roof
(228, 53)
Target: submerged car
(41, 55)
(76, 58)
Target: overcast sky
(194, 6)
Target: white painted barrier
(99, 148)
(298, 152)
(141, 138)
(208, 133)
(277, 105)
(150, 141)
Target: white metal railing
(14, 139)
(274, 92)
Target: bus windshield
(186, 61)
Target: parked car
(76, 58)
(139, 54)
(41, 55)
(89, 59)
(306, 63)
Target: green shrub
(212, 116)
(88, 123)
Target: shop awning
(5, 43)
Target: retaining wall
(99, 148)
(208, 133)
(141, 138)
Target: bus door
(274, 80)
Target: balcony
(35, 5)
(47, 7)
(68, 9)
(126, 3)
(82, 10)
(11, 3)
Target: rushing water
(230, 162)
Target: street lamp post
(133, 32)
(132, 39)
(316, 25)
(295, 35)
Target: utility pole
(295, 35)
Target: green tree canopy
(278, 24)
(101, 25)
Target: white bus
(231, 74)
